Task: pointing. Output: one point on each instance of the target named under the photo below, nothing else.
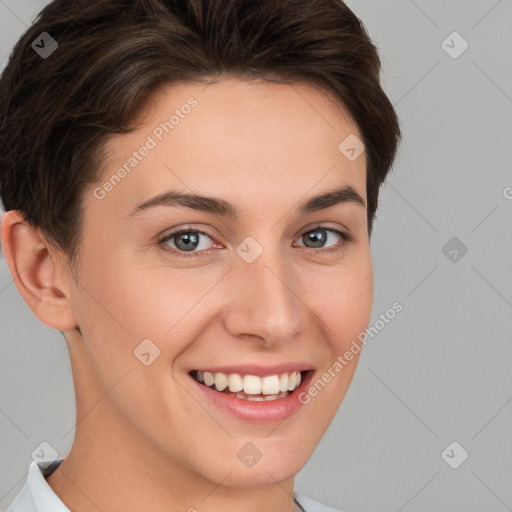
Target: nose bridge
(265, 302)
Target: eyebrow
(172, 198)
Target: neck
(117, 471)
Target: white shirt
(37, 496)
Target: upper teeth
(250, 384)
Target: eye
(318, 236)
(188, 242)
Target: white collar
(37, 495)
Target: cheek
(343, 300)
(138, 299)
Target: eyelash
(346, 238)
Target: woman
(190, 191)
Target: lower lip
(257, 412)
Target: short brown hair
(57, 112)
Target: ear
(39, 274)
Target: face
(250, 282)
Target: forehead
(236, 137)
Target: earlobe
(36, 272)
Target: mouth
(253, 388)
(251, 392)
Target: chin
(274, 465)
(261, 474)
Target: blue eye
(187, 242)
(319, 235)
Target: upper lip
(255, 369)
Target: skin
(145, 439)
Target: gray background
(440, 371)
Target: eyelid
(325, 225)
(186, 229)
(345, 235)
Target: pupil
(317, 237)
(191, 241)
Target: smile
(250, 387)
(251, 392)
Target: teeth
(270, 386)
(252, 385)
(208, 378)
(261, 398)
(221, 381)
(283, 382)
(251, 398)
(235, 382)
(292, 381)
(276, 397)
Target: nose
(263, 300)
